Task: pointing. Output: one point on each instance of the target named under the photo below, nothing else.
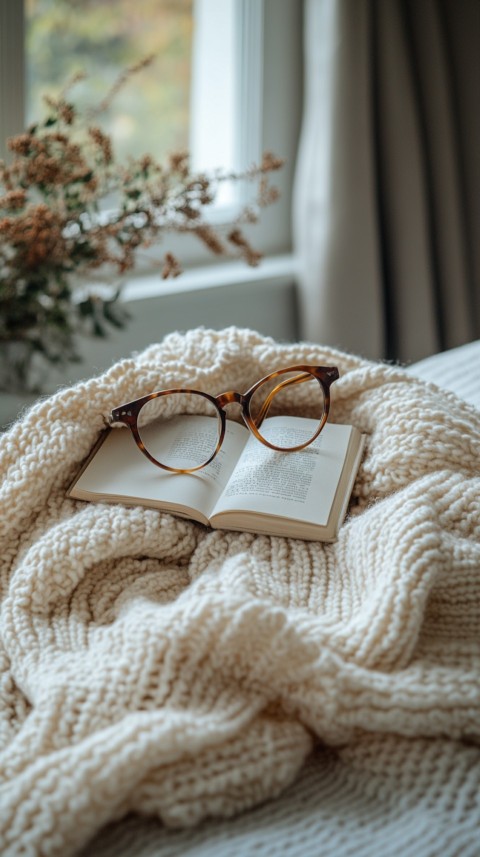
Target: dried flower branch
(54, 231)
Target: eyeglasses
(163, 429)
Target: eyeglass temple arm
(299, 379)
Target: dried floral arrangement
(53, 231)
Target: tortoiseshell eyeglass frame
(325, 375)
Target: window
(243, 58)
(102, 38)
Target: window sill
(216, 296)
(223, 275)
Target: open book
(248, 486)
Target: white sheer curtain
(387, 190)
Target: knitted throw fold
(151, 665)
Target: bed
(369, 748)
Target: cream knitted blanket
(150, 665)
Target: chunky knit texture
(149, 665)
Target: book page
(119, 470)
(298, 485)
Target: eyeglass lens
(295, 393)
(171, 437)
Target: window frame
(269, 53)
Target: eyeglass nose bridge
(230, 398)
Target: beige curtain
(387, 188)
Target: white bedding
(327, 811)
(457, 370)
(397, 783)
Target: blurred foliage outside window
(102, 38)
